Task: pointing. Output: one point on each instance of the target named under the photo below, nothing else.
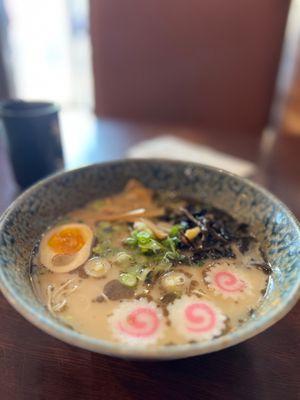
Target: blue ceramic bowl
(28, 217)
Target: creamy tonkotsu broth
(149, 269)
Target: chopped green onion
(174, 282)
(128, 279)
(143, 237)
(175, 230)
(123, 258)
(144, 241)
(96, 267)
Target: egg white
(46, 253)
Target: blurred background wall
(209, 63)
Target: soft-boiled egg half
(66, 247)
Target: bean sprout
(104, 296)
(56, 298)
(199, 293)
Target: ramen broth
(146, 268)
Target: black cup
(33, 137)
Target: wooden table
(34, 365)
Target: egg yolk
(66, 241)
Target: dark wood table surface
(34, 365)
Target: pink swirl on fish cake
(201, 317)
(137, 322)
(196, 319)
(227, 280)
(141, 322)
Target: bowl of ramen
(149, 259)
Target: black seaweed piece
(219, 231)
(168, 298)
(244, 243)
(263, 266)
(150, 278)
(146, 296)
(263, 255)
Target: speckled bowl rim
(54, 328)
